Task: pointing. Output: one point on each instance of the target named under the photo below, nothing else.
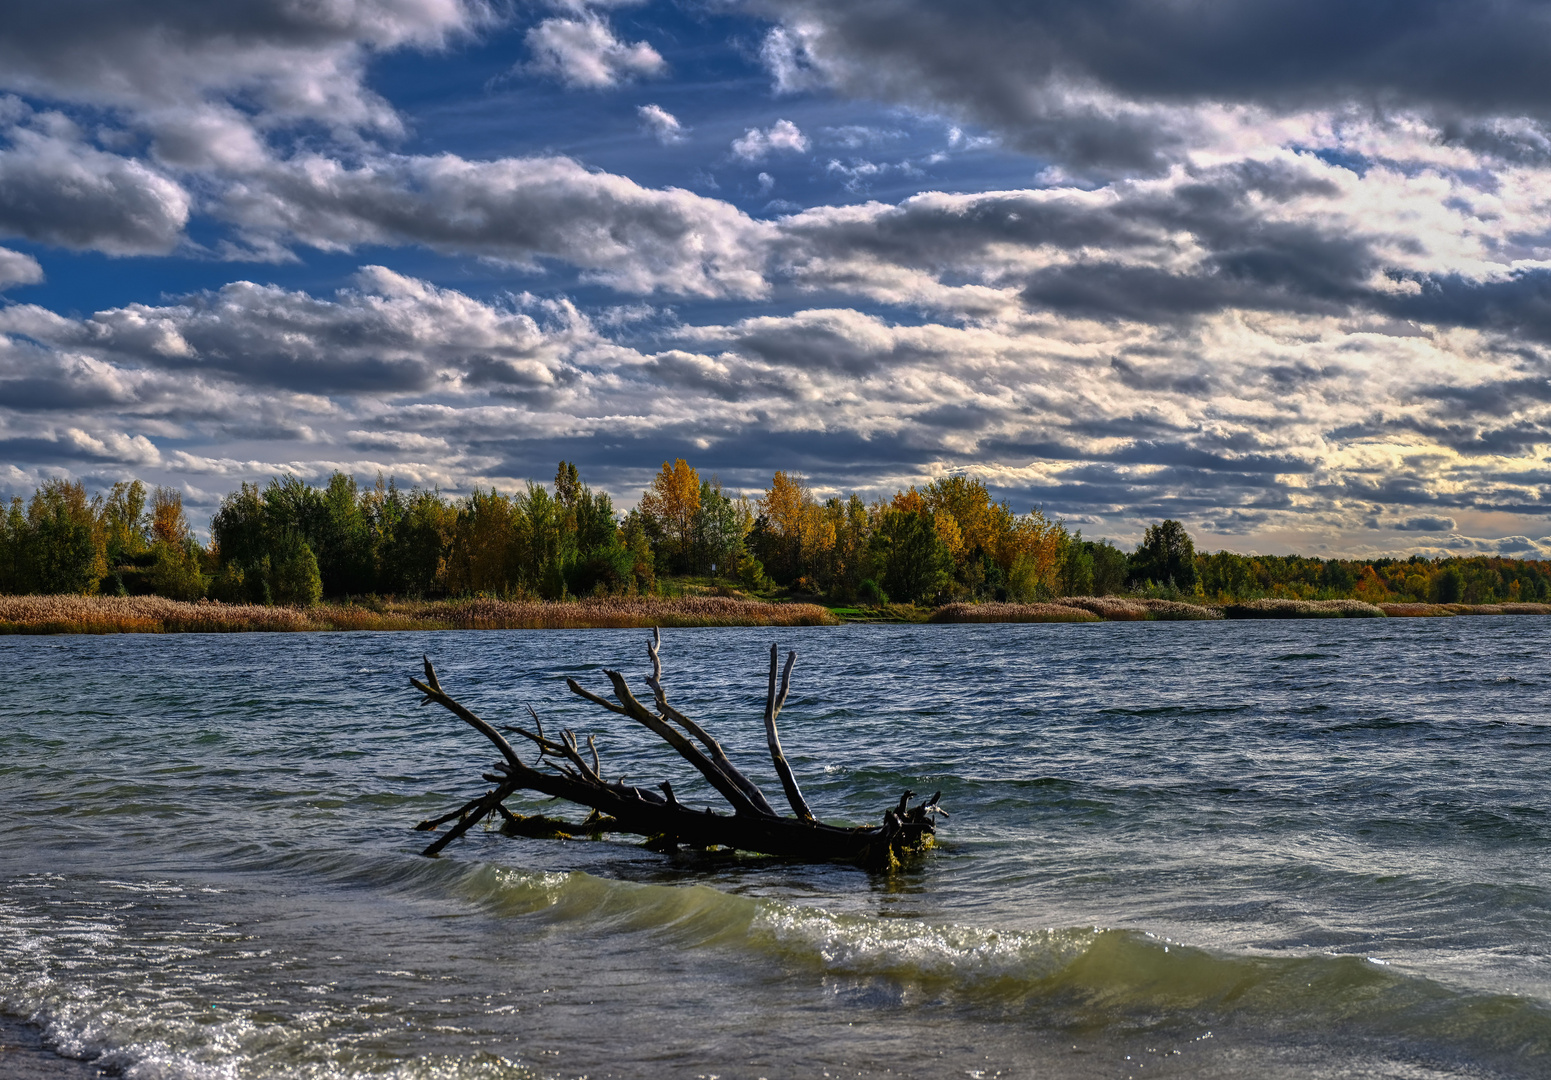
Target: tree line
(289, 542)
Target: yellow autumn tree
(671, 504)
(169, 524)
(796, 523)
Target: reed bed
(1139, 609)
(1423, 611)
(621, 612)
(142, 615)
(1302, 609)
(1010, 613)
(156, 615)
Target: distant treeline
(291, 543)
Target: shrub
(176, 573)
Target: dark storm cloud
(1041, 71)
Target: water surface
(1207, 850)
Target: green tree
(343, 540)
(1166, 554)
(178, 571)
(1076, 574)
(293, 572)
(717, 539)
(14, 537)
(414, 542)
(1448, 586)
(1109, 567)
(125, 526)
(917, 564)
(65, 550)
(603, 564)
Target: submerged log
(753, 825)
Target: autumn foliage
(948, 542)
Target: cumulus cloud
(18, 268)
(1237, 424)
(390, 334)
(514, 209)
(661, 123)
(582, 52)
(781, 137)
(1269, 268)
(294, 60)
(1132, 86)
(56, 189)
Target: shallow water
(1206, 850)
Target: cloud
(18, 268)
(55, 189)
(388, 335)
(517, 210)
(294, 60)
(582, 52)
(661, 123)
(1131, 87)
(1239, 423)
(781, 137)
(1420, 524)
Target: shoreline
(34, 615)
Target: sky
(1279, 270)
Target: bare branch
(773, 705)
(433, 692)
(709, 769)
(714, 748)
(628, 808)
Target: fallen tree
(754, 825)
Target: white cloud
(781, 137)
(294, 60)
(517, 210)
(1241, 425)
(583, 52)
(18, 268)
(662, 124)
(785, 55)
(56, 189)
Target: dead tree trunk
(753, 825)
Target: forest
(292, 543)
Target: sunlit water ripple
(1241, 849)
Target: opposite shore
(154, 614)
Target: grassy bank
(156, 615)
(1133, 609)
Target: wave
(77, 972)
(1080, 978)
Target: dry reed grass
(1422, 611)
(1138, 609)
(140, 615)
(623, 612)
(1010, 613)
(156, 615)
(1302, 609)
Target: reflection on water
(1282, 849)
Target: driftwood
(754, 825)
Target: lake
(1269, 849)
